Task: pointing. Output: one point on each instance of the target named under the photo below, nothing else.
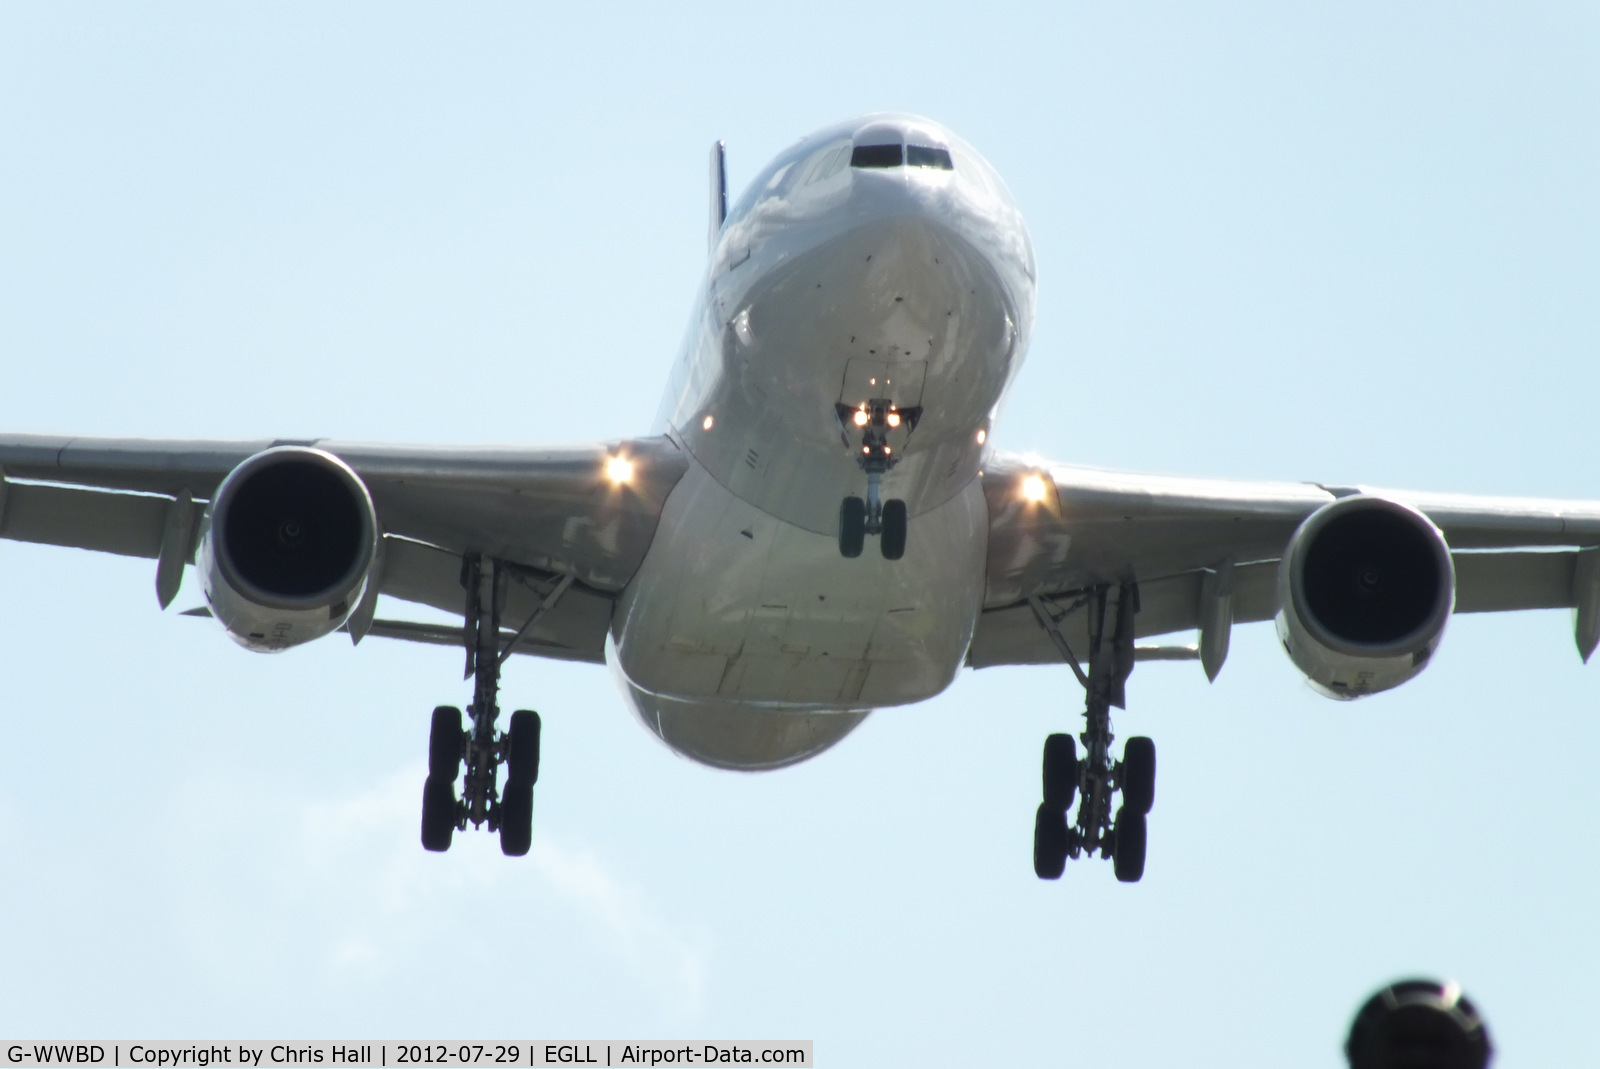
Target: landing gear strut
(480, 746)
(859, 518)
(1096, 779)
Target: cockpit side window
(829, 161)
(924, 156)
(876, 156)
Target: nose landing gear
(1096, 779)
(875, 419)
(886, 519)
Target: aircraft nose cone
(935, 196)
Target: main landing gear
(1095, 778)
(480, 746)
(859, 518)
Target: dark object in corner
(1418, 1024)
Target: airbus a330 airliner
(819, 526)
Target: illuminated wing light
(861, 417)
(707, 423)
(894, 419)
(983, 435)
(1038, 489)
(619, 470)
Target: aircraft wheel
(893, 539)
(1127, 854)
(444, 744)
(1060, 772)
(852, 526)
(522, 749)
(516, 820)
(1139, 774)
(1049, 843)
(438, 813)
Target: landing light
(861, 417)
(982, 435)
(707, 423)
(1033, 488)
(619, 469)
(894, 419)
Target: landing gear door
(897, 381)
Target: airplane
(866, 305)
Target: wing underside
(1075, 529)
(555, 517)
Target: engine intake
(1365, 590)
(288, 547)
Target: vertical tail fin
(719, 193)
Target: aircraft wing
(1089, 527)
(553, 512)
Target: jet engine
(287, 547)
(1364, 592)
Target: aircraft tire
(893, 539)
(438, 813)
(1139, 774)
(516, 820)
(1127, 852)
(522, 749)
(852, 526)
(444, 744)
(1060, 771)
(1049, 843)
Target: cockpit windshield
(881, 156)
(876, 156)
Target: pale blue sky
(1354, 243)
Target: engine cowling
(287, 547)
(1365, 590)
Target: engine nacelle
(287, 547)
(1365, 590)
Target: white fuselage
(747, 640)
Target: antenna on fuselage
(719, 192)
